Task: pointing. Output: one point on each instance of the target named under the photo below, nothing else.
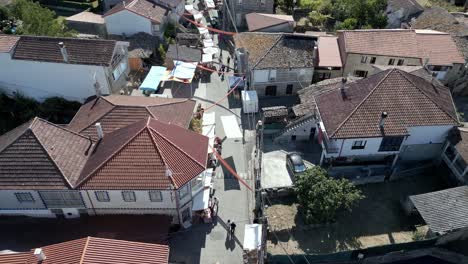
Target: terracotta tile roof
(137, 156)
(296, 50)
(93, 250)
(409, 101)
(152, 11)
(440, 19)
(438, 47)
(7, 42)
(387, 42)
(80, 51)
(14, 258)
(117, 111)
(259, 21)
(41, 155)
(329, 52)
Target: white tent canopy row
(231, 127)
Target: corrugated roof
(41, 155)
(118, 111)
(295, 50)
(139, 155)
(80, 51)
(153, 11)
(7, 42)
(439, 48)
(329, 52)
(259, 21)
(93, 250)
(409, 101)
(445, 210)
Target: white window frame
(391, 61)
(129, 196)
(103, 199)
(363, 59)
(119, 69)
(183, 191)
(402, 62)
(197, 183)
(25, 197)
(359, 144)
(155, 193)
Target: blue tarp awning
(233, 80)
(152, 80)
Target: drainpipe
(176, 195)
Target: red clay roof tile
(409, 101)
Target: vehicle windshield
(299, 168)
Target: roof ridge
(268, 50)
(60, 127)
(362, 102)
(110, 156)
(88, 238)
(131, 4)
(159, 152)
(425, 94)
(51, 159)
(172, 143)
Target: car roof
(296, 159)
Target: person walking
(228, 63)
(233, 228)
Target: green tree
(38, 20)
(321, 196)
(349, 23)
(317, 19)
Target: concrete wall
(242, 7)
(318, 71)
(8, 200)
(128, 23)
(285, 27)
(423, 143)
(45, 79)
(116, 200)
(353, 63)
(299, 78)
(302, 132)
(88, 28)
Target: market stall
(153, 79)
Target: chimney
(99, 131)
(383, 116)
(39, 254)
(168, 172)
(426, 61)
(342, 88)
(64, 52)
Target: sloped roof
(438, 47)
(307, 95)
(437, 18)
(445, 210)
(183, 53)
(329, 52)
(409, 101)
(93, 250)
(295, 50)
(80, 51)
(7, 42)
(41, 155)
(118, 111)
(259, 21)
(87, 17)
(150, 10)
(140, 155)
(462, 145)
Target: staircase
(295, 124)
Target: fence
(351, 255)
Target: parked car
(294, 163)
